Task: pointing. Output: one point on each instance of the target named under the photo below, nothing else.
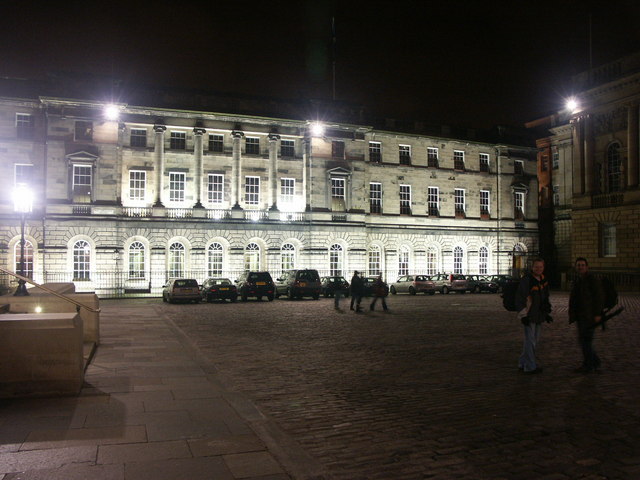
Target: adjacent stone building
(128, 196)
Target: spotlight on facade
(22, 204)
(111, 112)
(572, 105)
(317, 129)
(38, 309)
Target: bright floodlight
(572, 105)
(112, 112)
(317, 129)
(22, 199)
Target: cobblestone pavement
(432, 389)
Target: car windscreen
(309, 275)
(186, 283)
(259, 277)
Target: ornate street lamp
(22, 204)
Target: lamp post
(22, 204)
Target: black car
(502, 280)
(255, 284)
(219, 289)
(329, 285)
(481, 283)
(298, 284)
(369, 286)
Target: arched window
(336, 256)
(287, 257)
(374, 260)
(458, 260)
(214, 260)
(136, 260)
(483, 261)
(252, 257)
(176, 260)
(28, 259)
(403, 260)
(81, 260)
(432, 260)
(614, 175)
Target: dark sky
(474, 63)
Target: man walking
(586, 303)
(532, 302)
(357, 286)
(379, 292)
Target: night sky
(460, 62)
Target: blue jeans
(527, 359)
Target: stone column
(236, 183)
(632, 145)
(578, 156)
(158, 152)
(197, 150)
(273, 169)
(589, 157)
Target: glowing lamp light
(38, 309)
(22, 199)
(111, 112)
(572, 105)
(317, 129)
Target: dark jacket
(538, 290)
(586, 300)
(357, 286)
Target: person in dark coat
(532, 303)
(379, 292)
(357, 287)
(586, 303)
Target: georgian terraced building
(124, 200)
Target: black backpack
(509, 290)
(609, 292)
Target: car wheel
(462, 291)
(316, 296)
(432, 292)
(270, 298)
(477, 289)
(244, 297)
(412, 291)
(445, 290)
(325, 295)
(234, 299)
(393, 290)
(289, 294)
(197, 300)
(164, 298)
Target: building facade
(124, 199)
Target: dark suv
(298, 284)
(255, 284)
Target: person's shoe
(371, 307)
(350, 308)
(532, 372)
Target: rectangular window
(544, 163)
(23, 175)
(518, 167)
(404, 152)
(216, 143)
(176, 186)
(83, 131)
(287, 191)
(458, 198)
(518, 205)
(252, 190)
(253, 146)
(556, 195)
(608, 239)
(24, 125)
(375, 197)
(215, 188)
(484, 162)
(82, 179)
(432, 157)
(556, 160)
(433, 201)
(484, 202)
(337, 149)
(338, 188)
(375, 152)
(138, 137)
(137, 184)
(178, 141)
(405, 199)
(287, 148)
(458, 160)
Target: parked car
(413, 284)
(448, 282)
(181, 289)
(298, 284)
(218, 289)
(502, 280)
(328, 286)
(255, 284)
(481, 283)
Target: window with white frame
(375, 197)
(404, 152)
(432, 260)
(374, 260)
(608, 239)
(216, 143)
(338, 187)
(458, 200)
(27, 269)
(24, 125)
(287, 148)
(287, 257)
(215, 188)
(458, 260)
(137, 185)
(483, 260)
(136, 260)
(253, 146)
(458, 160)
(82, 179)
(433, 201)
(215, 254)
(485, 202)
(176, 186)
(405, 199)
(23, 175)
(177, 256)
(518, 205)
(556, 195)
(81, 260)
(178, 141)
(252, 190)
(252, 257)
(287, 191)
(555, 159)
(518, 167)
(484, 162)
(432, 157)
(336, 260)
(403, 260)
(375, 152)
(138, 137)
